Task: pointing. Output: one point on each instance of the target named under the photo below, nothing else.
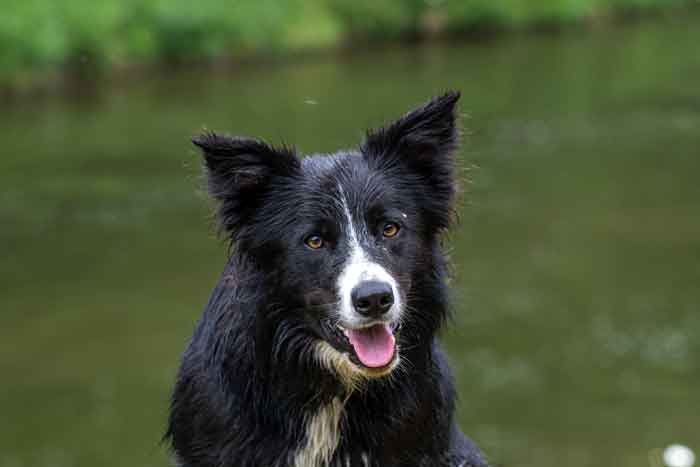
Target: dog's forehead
(342, 179)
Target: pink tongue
(374, 346)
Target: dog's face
(344, 241)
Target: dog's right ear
(239, 171)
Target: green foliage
(378, 19)
(36, 35)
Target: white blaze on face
(359, 268)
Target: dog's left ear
(422, 141)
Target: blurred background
(577, 256)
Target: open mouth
(372, 347)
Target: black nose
(372, 298)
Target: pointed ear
(421, 143)
(239, 172)
(424, 133)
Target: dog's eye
(314, 241)
(390, 229)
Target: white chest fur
(322, 436)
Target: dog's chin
(343, 352)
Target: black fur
(250, 378)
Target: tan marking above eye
(314, 241)
(390, 229)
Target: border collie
(318, 345)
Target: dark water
(577, 259)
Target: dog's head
(346, 245)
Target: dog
(318, 345)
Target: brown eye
(314, 241)
(390, 229)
